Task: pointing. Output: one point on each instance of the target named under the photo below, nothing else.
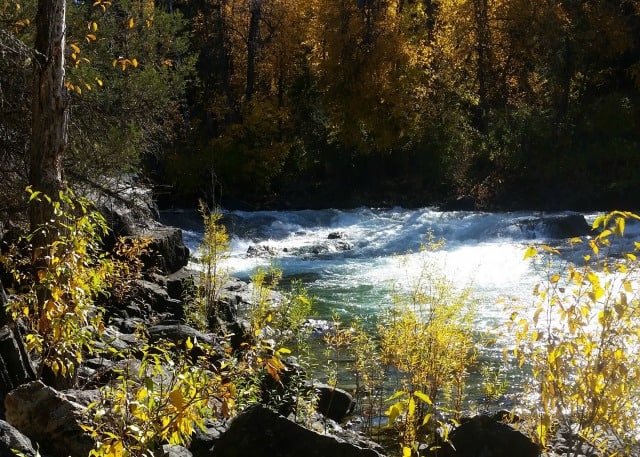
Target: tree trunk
(252, 46)
(49, 112)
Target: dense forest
(272, 103)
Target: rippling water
(351, 260)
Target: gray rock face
(11, 439)
(484, 436)
(49, 418)
(260, 431)
(15, 365)
(334, 403)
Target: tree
(49, 116)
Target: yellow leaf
(188, 344)
(406, 451)
(114, 63)
(619, 230)
(555, 278)
(99, 81)
(75, 48)
(424, 397)
(541, 431)
(176, 399)
(90, 37)
(530, 252)
(94, 27)
(393, 412)
(131, 23)
(134, 62)
(411, 411)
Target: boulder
(204, 440)
(177, 332)
(565, 226)
(158, 298)
(12, 440)
(167, 251)
(333, 402)
(15, 364)
(181, 284)
(484, 436)
(172, 450)
(49, 418)
(260, 431)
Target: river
(352, 261)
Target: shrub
(163, 402)
(581, 343)
(59, 283)
(427, 337)
(204, 311)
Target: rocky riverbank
(43, 416)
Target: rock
(49, 418)
(172, 450)
(12, 440)
(483, 436)
(261, 250)
(177, 332)
(15, 364)
(260, 431)
(334, 403)
(336, 236)
(566, 226)
(158, 298)
(203, 441)
(181, 284)
(167, 251)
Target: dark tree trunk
(252, 46)
(484, 62)
(48, 112)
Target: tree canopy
(333, 102)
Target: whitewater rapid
(352, 260)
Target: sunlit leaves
(57, 306)
(585, 327)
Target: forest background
(290, 104)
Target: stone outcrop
(260, 431)
(49, 418)
(486, 437)
(333, 402)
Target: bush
(581, 343)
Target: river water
(352, 261)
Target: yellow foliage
(588, 334)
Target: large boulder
(167, 251)
(261, 431)
(49, 418)
(129, 209)
(484, 436)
